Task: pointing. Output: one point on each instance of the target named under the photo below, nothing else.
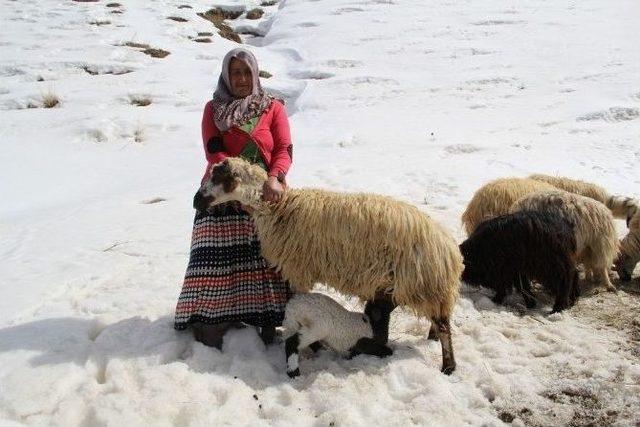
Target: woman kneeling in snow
(311, 318)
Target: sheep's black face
(218, 188)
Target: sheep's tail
(623, 207)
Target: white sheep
(596, 237)
(313, 317)
(381, 250)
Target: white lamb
(311, 318)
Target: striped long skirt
(227, 279)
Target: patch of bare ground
(202, 40)
(204, 34)
(177, 18)
(117, 12)
(185, 6)
(86, 1)
(620, 310)
(217, 17)
(100, 23)
(156, 53)
(269, 3)
(148, 50)
(265, 74)
(255, 13)
(113, 5)
(94, 71)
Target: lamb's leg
(267, 334)
(315, 346)
(292, 347)
(444, 332)
(291, 352)
(379, 311)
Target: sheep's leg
(527, 294)
(267, 334)
(379, 311)
(499, 296)
(444, 332)
(575, 287)
(433, 332)
(562, 296)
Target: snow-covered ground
(421, 100)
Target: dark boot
(210, 335)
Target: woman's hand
(272, 190)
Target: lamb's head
(367, 343)
(234, 179)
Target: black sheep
(511, 250)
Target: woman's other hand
(272, 190)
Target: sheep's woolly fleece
(596, 237)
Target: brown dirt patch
(217, 17)
(156, 53)
(177, 18)
(255, 13)
(265, 74)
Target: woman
(227, 280)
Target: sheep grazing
(621, 207)
(510, 251)
(596, 238)
(383, 251)
(496, 198)
(313, 317)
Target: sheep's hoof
(293, 374)
(611, 289)
(448, 370)
(433, 335)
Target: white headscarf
(230, 111)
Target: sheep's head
(629, 255)
(234, 179)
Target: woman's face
(240, 78)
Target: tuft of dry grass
(202, 40)
(216, 17)
(265, 74)
(50, 100)
(140, 100)
(268, 3)
(184, 6)
(117, 12)
(100, 22)
(204, 34)
(177, 18)
(113, 5)
(255, 13)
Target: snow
(421, 100)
